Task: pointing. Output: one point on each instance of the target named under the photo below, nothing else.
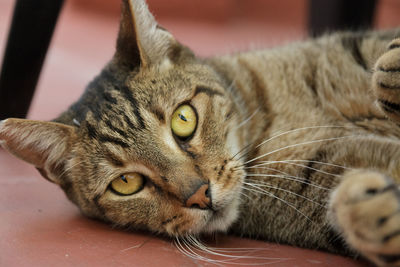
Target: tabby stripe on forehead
(129, 96)
(129, 122)
(353, 43)
(157, 111)
(113, 140)
(208, 91)
(92, 132)
(107, 96)
(113, 159)
(115, 129)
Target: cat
(299, 144)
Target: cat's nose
(200, 199)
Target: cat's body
(298, 145)
(324, 82)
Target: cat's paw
(386, 81)
(366, 209)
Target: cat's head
(151, 143)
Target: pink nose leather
(199, 198)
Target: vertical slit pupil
(182, 117)
(123, 178)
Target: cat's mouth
(221, 219)
(224, 210)
(218, 206)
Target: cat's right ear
(42, 144)
(141, 41)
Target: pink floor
(39, 226)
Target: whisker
(196, 255)
(260, 190)
(202, 247)
(242, 150)
(245, 195)
(259, 166)
(69, 168)
(247, 120)
(321, 162)
(284, 190)
(299, 129)
(181, 249)
(298, 144)
(272, 169)
(190, 253)
(302, 160)
(288, 177)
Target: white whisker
(319, 162)
(263, 184)
(299, 129)
(247, 120)
(245, 195)
(299, 144)
(291, 178)
(260, 190)
(263, 163)
(216, 252)
(196, 255)
(181, 248)
(287, 175)
(69, 168)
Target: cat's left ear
(141, 41)
(43, 144)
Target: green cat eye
(128, 184)
(184, 121)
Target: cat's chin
(221, 220)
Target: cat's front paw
(386, 81)
(366, 210)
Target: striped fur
(298, 144)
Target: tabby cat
(299, 144)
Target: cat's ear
(43, 144)
(141, 41)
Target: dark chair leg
(29, 37)
(330, 15)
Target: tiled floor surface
(40, 227)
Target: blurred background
(47, 230)
(86, 31)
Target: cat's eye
(128, 184)
(184, 121)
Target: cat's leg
(365, 209)
(386, 81)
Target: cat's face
(154, 148)
(138, 135)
